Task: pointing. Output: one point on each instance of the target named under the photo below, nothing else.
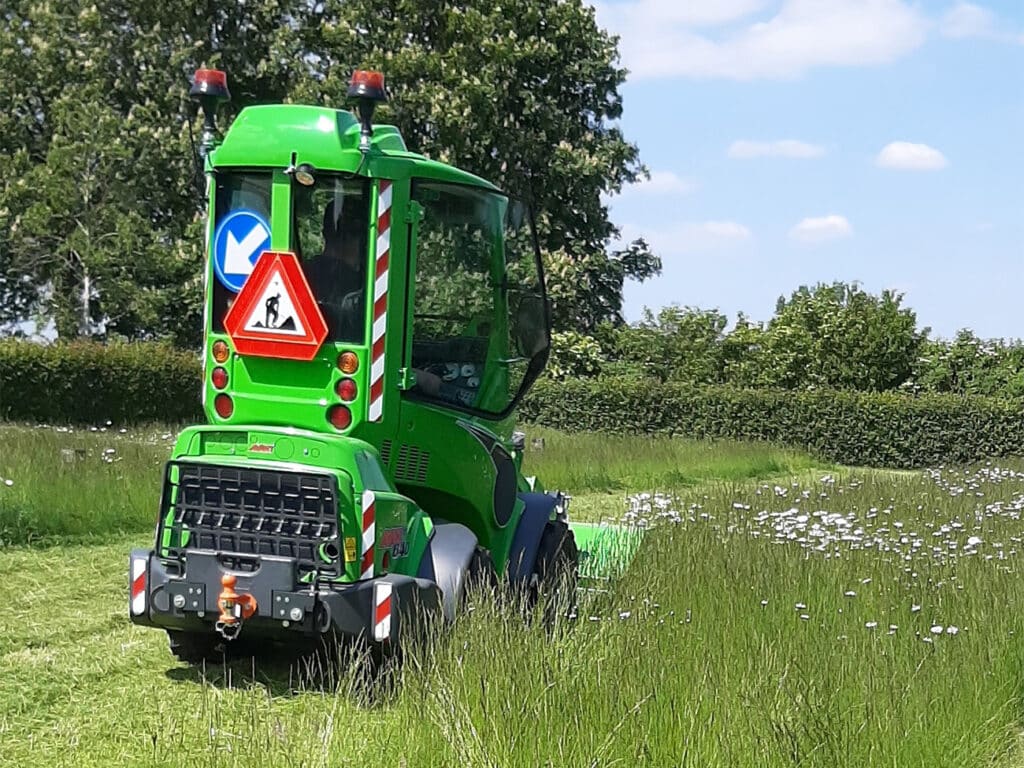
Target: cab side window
(458, 251)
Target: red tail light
(219, 377)
(224, 406)
(347, 390)
(340, 417)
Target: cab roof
(328, 139)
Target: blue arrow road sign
(239, 240)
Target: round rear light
(220, 351)
(219, 377)
(340, 417)
(224, 406)
(348, 362)
(347, 390)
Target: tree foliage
(97, 183)
(968, 365)
(829, 336)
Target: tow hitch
(234, 607)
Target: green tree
(676, 344)
(968, 365)
(522, 92)
(102, 211)
(838, 336)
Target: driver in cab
(338, 275)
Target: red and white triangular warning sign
(275, 314)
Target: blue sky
(798, 141)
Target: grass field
(833, 618)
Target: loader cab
(422, 283)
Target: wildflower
(849, 593)
(937, 629)
(952, 630)
(915, 608)
(871, 624)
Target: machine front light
(304, 175)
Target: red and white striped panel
(369, 534)
(138, 590)
(382, 612)
(380, 300)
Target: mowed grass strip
(730, 642)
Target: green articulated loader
(372, 320)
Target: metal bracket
(414, 213)
(406, 378)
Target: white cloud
(659, 37)
(743, 150)
(968, 20)
(699, 13)
(821, 229)
(906, 156)
(691, 236)
(662, 183)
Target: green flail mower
(373, 319)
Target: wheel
(480, 573)
(194, 647)
(556, 571)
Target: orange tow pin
(234, 607)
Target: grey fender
(446, 561)
(523, 555)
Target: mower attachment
(605, 550)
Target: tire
(556, 571)
(194, 647)
(480, 573)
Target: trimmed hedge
(854, 428)
(91, 383)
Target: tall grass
(744, 635)
(60, 483)
(74, 484)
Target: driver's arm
(432, 385)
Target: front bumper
(379, 609)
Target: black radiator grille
(247, 512)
